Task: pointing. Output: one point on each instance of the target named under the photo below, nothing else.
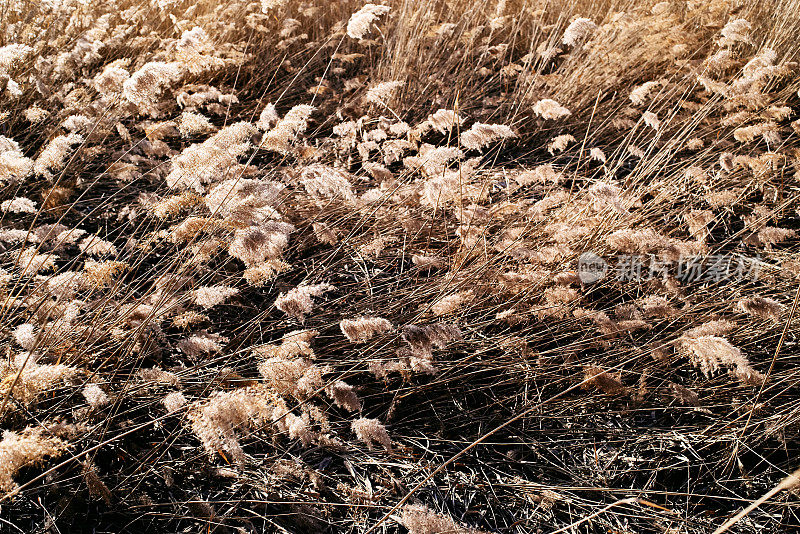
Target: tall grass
(323, 266)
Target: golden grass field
(428, 266)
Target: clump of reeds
(527, 243)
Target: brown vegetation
(267, 266)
